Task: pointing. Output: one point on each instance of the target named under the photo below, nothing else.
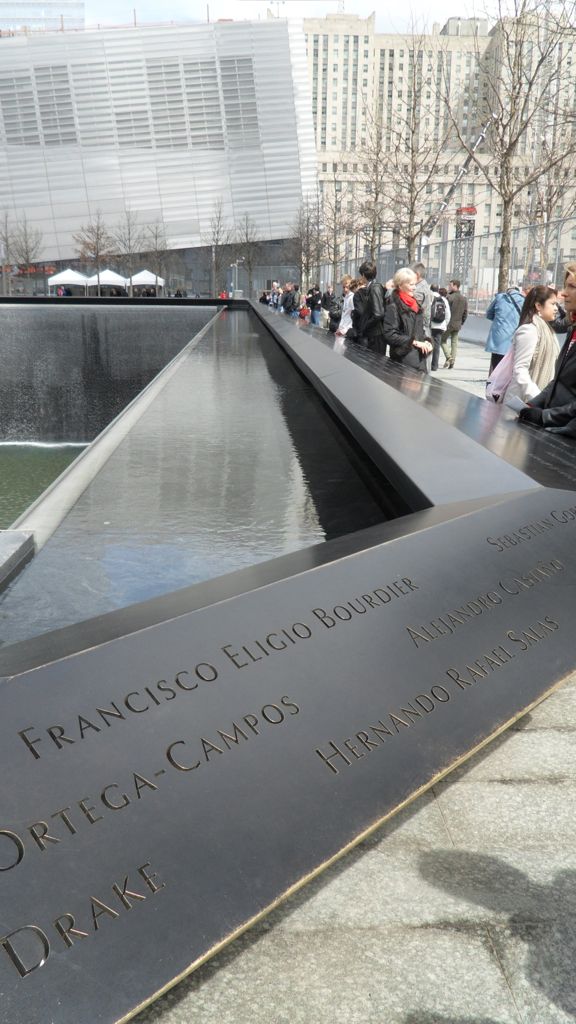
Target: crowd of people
(407, 319)
(529, 366)
(412, 322)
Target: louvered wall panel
(164, 121)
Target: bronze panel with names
(163, 790)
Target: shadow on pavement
(541, 916)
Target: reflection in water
(236, 461)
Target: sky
(399, 19)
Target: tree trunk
(504, 250)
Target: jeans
(495, 359)
(315, 317)
(436, 339)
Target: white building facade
(164, 122)
(41, 16)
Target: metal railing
(538, 255)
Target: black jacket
(402, 326)
(289, 301)
(373, 327)
(558, 399)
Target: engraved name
(447, 623)
(375, 600)
(136, 702)
(339, 755)
(530, 530)
(206, 749)
(182, 755)
(29, 947)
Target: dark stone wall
(67, 371)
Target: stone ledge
(16, 549)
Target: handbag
(500, 378)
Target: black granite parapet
(548, 459)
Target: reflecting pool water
(236, 461)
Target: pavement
(460, 910)
(472, 362)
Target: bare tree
(156, 247)
(549, 204)
(176, 269)
(372, 190)
(304, 246)
(218, 238)
(336, 224)
(26, 246)
(248, 247)
(6, 252)
(129, 239)
(528, 89)
(94, 243)
(405, 150)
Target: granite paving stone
(508, 814)
(380, 889)
(538, 961)
(419, 825)
(545, 754)
(558, 711)
(361, 976)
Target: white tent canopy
(145, 277)
(107, 277)
(67, 277)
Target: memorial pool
(236, 461)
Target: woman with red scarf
(555, 407)
(404, 324)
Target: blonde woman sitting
(534, 345)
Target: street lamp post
(235, 274)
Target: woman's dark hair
(541, 293)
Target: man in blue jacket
(504, 312)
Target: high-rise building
(371, 89)
(361, 78)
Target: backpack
(438, 310)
